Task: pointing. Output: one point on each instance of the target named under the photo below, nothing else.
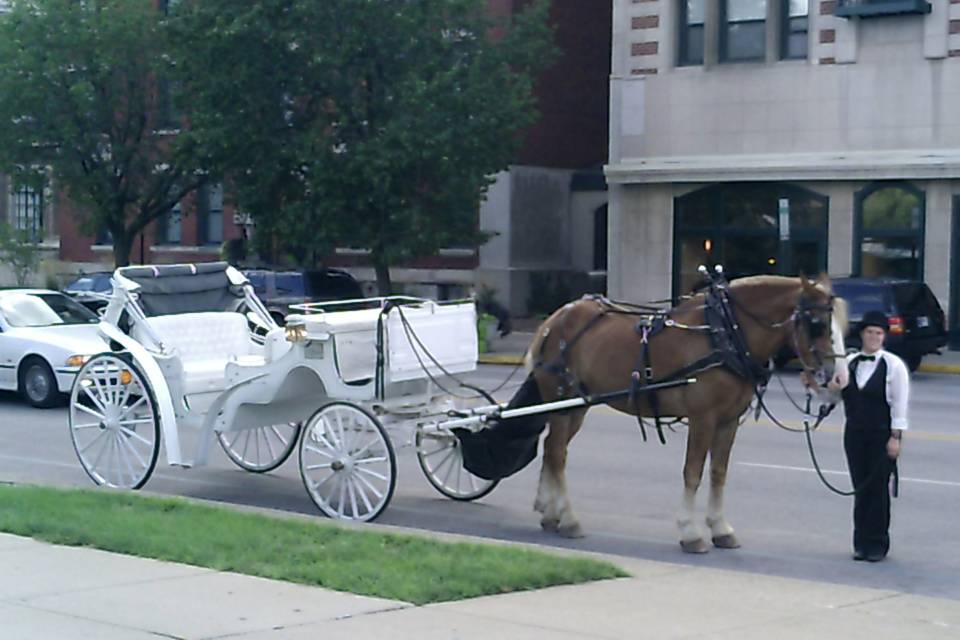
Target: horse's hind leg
(699, 438)
(552, 498)
(721, 531)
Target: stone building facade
(782, 136)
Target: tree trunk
(382, 268)
(121, 249)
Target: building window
(868, 8)
(210, 214)
(889, 231)
(793, 35)
(600, 239)
(743, 32)
(26, 211)
(749, 228)
(168, 226)
(692, 16)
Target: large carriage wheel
(347, 462)
(260, 449)
(114, 422)
(441, 458)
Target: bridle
(809, 317)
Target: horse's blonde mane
(761, 279)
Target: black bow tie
(865, 357)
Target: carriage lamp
(77, 361)
(295, 329)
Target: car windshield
(290, 284)
(43, 310)
(861, 297)
(915, 297)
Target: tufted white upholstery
(205, 342)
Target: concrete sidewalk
(510, 349)
(54, 592)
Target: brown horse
(599, 354)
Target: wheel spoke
(369, 485)
(136, 404)
(91, 443)
(133, 434)
(363, 495)
(90, 411)
(313, 449)
(372, 473)
(133, 450)
(96, 401)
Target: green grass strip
(399, 567)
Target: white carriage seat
(205, 342)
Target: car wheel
(38, 384)
(913, 362)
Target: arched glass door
(750, 228)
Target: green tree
(374, 124)
(83, 88)
(20, 250)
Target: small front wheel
(114, 422)
(441, 457)
(260, 449)
(347, 462)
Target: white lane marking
(946, 483)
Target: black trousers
(868, 462)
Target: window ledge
(178, 248)
(868, 9)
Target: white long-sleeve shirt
(897, 383)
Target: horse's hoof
(571, 531)
(694, 546)
(727, 541)
(550, 526)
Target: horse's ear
(805, 281)
(824, 281)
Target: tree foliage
(367, 123)
(20, 251)
(80, 88)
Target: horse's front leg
(721, 532)
(552, 499)
(699, 437)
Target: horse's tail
(536, 347)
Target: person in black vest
(875, 402)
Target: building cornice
(917, 164)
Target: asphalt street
(626, 492)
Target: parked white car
(45, 337)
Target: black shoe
(876, 556)
(859, 555)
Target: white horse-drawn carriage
(193, 348)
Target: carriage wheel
(260, 449)
(441, 459)
(114, 422)
(347, 462)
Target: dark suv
(280, 289)
(917, 325)
(89, 288)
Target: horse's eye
(817, 328)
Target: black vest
(867, 408)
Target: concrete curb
(517, 359)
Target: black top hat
(874, 319)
